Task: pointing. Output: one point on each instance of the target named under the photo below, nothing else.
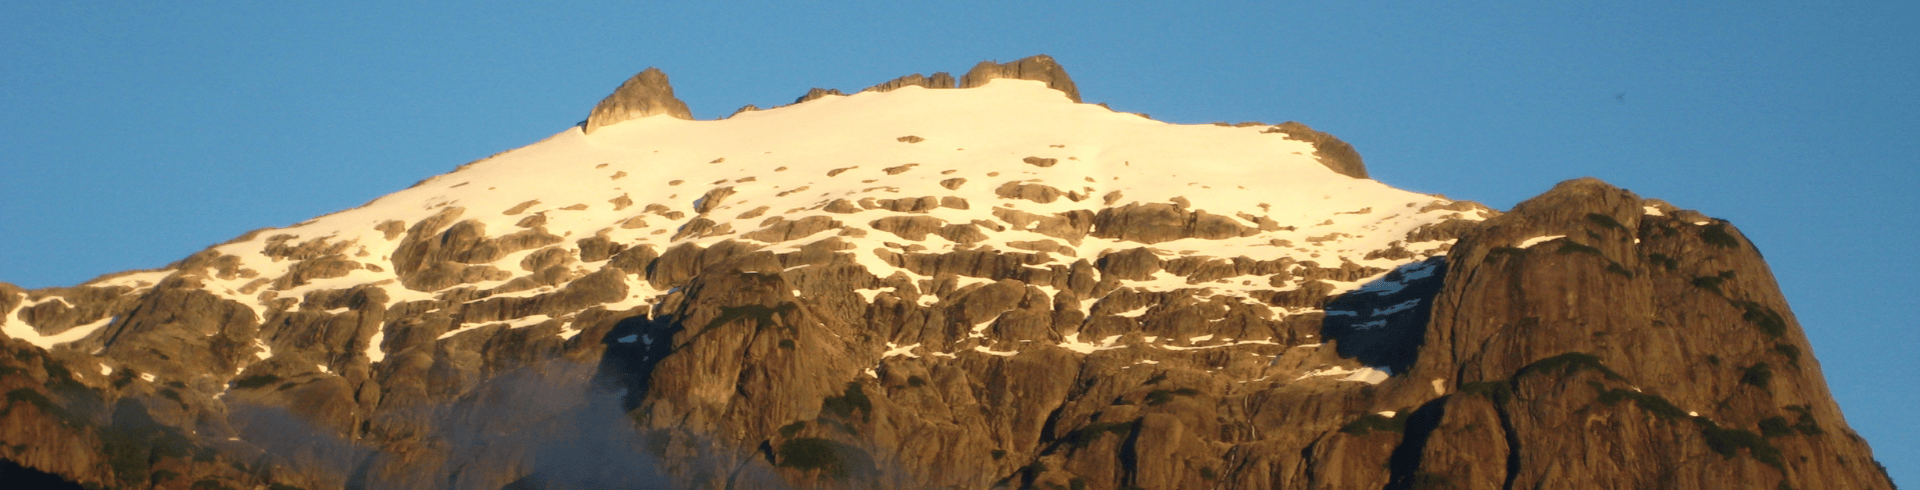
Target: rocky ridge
(987, 287)
(1040, 68)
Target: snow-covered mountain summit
(1010, 166)
(933, 283)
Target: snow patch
(985, 350)
(1221, 346)
(17, 327)
(1366, 374)
(869, 294)
(1075, 344)
(1530, 242)
(1134, 313)
(897, 350)
(1402, 306)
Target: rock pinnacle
(646, 94)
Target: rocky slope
(931, 284)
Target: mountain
(932, 283)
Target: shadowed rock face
(645, 94)
(1038, 68)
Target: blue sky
(134, 135)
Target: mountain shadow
(634, 346)
(1384, 322)
(15, 475)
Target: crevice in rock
(1513, 444)
(1404, 464)
(634, 346)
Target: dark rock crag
(817, 93)
(938, 80)
(646, 94)
(1040, 68)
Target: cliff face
(983, 287)
(1640, 347)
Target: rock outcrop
(1335, 154)
(1634, 348)
(646, 94)
(938, 80)
(816, 93)
(1040, 68)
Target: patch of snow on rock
(1530, 242)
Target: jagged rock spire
(646, 94)
(1038, 67)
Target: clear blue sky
(134, 135)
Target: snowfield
(1003, 157)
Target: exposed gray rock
(816, 93)
(938, 80)
(1335, 154)
(743, 110)
(646, 94)
(1160, 222)
(1038, 68)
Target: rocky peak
(816, 93)
(646, 94)
(1554, 315)
(938, 80)
(1037, 67)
